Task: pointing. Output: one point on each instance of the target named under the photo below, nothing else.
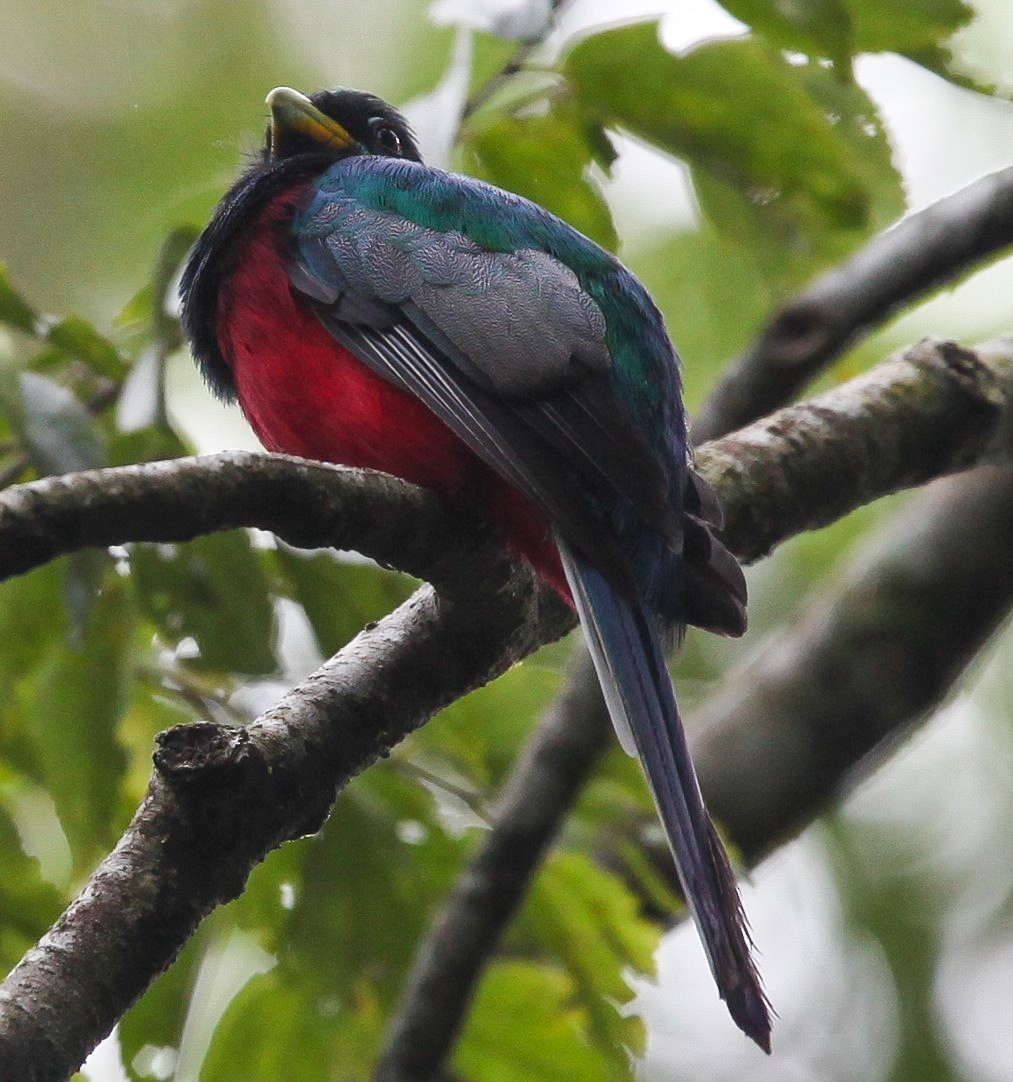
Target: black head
(306, 136)
(335, 123)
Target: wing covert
(509, 350)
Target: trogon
(369, 310)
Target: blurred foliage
(791, 168)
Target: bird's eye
(387, 138)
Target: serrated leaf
(59, 434)
(858, 125)
(589, 919)
(15, 311)
(544, 158)
(69, 707)
(525, 1025)
(340, 597)
(212, 589)
(840, 29)
(733, 108)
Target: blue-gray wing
(510, 351)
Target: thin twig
(513, 65)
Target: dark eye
(387, 138)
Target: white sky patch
(805, 958)
(519, 19)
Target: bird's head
(335, 123)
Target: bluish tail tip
(751, 1013)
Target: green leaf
(81, 588)
(900, 26)
(28, 905)
(385, 846)
(525, 1025)
(214, 590)
(340, 597)
(772, 146)
(58, 432)
(72, 335)
(787, 237)
(343, 911)
(145, 445)
(32, 621)
(734, 109)
(815, 27)
(69, 707)
(80, 339)
(587, 918)
(545, 158)
(171, 254)
(276, 1029)
(840, 29)
(15, 311)
(482, 733)
(858, 126)
(714, 295)
(158, 1016)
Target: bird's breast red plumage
(305, 394)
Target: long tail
(625, 642)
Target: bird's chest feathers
(303, 393)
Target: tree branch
(222, 797)
(514, 64)
(309, 504)
(931, 411)
(862, 666)
(904, 263)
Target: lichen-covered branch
(931, 410)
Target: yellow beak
(294, 112)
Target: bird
(369, 310)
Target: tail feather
(625, 639)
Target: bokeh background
(886, 930)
